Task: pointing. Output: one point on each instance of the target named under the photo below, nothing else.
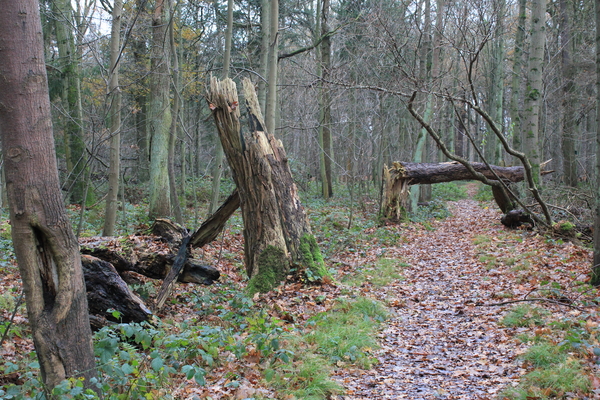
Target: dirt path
(440, 345)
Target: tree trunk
(325, 152)
(71, 97)
(114, 96)
(107, 290)
(276, 231)
(218, 166)
(159, 114)
(569, 103)
(139, 48)
(210, 229)
(596, 263)
(425, 64)
(44, 243)
(533, 99)
(271, 110)
(175, 205)
(265, 40)
(515, 106)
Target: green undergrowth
(449, 191)
(148, 361)
(559, 355)
(343, 336)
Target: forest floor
(445, 336)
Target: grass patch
(346, 334)
(524, 315)
(551, 383)
(544, 355)
(481, 239)
(383, 272)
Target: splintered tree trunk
(277, 235)
(44, 243)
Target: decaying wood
(173, 274)
(246, 154)
(153, 265)
(210, 229)
(516, 218)
(274, 219)
(106, 290)
(427, 173)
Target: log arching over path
(400, 175)
(277, 235)
(427, 173)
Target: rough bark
(276, 231)
(44, 243)
(151, 256)
(426, 173)
(107, 290)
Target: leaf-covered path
(441, 343)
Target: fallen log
(397, 179)
(173, 274)
(154, 265)
(106, 290)
(428, 173)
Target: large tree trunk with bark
(277, 235)
(44, 243)
(402, 174)
(159, 114)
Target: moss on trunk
(273, 267)
(312, 259)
